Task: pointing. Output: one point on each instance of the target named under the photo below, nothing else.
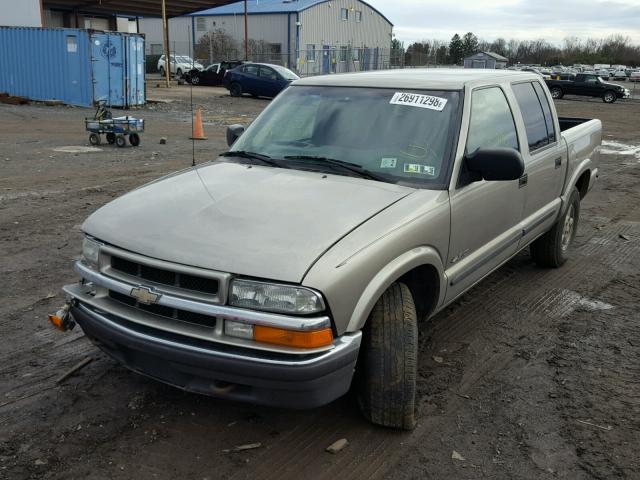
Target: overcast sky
(552, 20)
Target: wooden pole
(246, 32)
(167, 53)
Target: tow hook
(62, 319)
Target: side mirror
(496, 164)
(233, 132)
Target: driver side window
(491, 124)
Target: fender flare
(586, 164)
(397, 267)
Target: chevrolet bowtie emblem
(145, 295)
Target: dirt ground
(533, 374)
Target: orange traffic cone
(198, 131)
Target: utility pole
(246, 32)
(167, 56)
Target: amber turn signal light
(57, 322)
(293, 338)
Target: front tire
(120, 141)
(179, 73)
(551, 249)
(195, 80)
(162, 72)
(94, 139)
(389, 361)
(609, 96)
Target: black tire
(94, 139)
(162, 72)
(179, 73)
(235, 89)
(551, 249)
(120, 141)
(609, 96)
(111, 138)
(556, 93)
(134, 139)
(195, 80)
(389, 361)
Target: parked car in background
(212, 75)
(634, 76)
(604, 74)
(258, 79)
(179, 65)
(619, 75)
(589, 86)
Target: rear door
(544, 157)
(485, 216)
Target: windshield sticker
(388, 163)
(420, 169)
(418, 100)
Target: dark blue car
(258, 79)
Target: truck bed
(569, 122)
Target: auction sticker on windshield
(419, 100)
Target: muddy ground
(533, 374)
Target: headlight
(275, 298)
(91, 252)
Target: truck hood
(257, 221)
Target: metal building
(309, 36)
(485, 60)
(78, 67)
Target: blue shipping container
(76, 66)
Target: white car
(619, 75)
(634, 76)
(179, 65)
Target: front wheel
(609, 97)
(195, 80)
(120, 141)
(94, 139)
(162, 72)
(557, 93)
(179, 73)
(389, 361)
(552, 248)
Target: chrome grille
(165, 277)
(166, 312)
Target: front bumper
(202, 360)
(252, 377)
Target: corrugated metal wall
(72, 65)
(44, 64)
(321, 26)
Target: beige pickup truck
(298, 264)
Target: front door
(326, 59)
(75, 82)
(544, 158)
(485, 216)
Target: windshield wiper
(351, 167)
(266, 159)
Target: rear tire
(387, 376)
(195, 80)
(235, 89)
(551, 249)
(120, 141)
(557, 93)
(162, 72)
(134, 139)
(609, 96)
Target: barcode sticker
(418, 100)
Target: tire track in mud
(532, 294)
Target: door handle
(558, 162)
(523, 180)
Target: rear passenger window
(491, 123)
(532, 116)
(251, 70)
(546, 109)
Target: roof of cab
(419, 78)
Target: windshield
(285, 72)
(404, 136)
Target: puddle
(77, 149)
